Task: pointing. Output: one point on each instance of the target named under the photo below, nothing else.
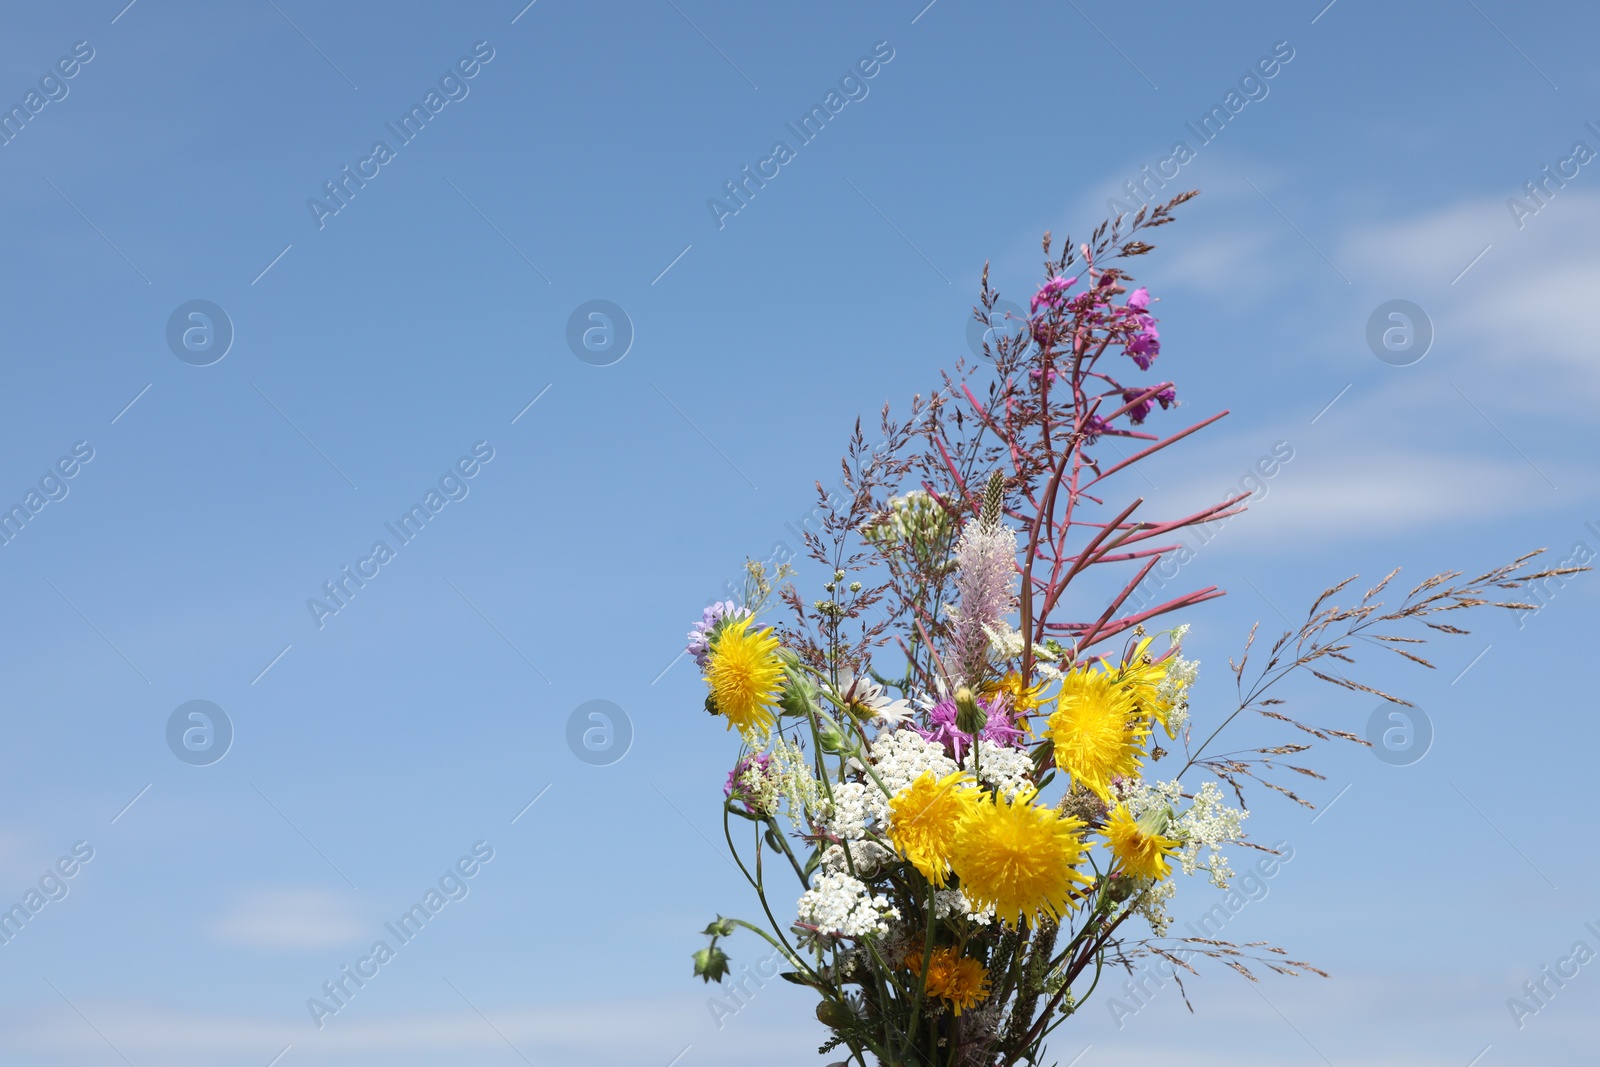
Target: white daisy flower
(868, 700)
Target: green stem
(927, 961)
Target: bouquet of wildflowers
(983, 788)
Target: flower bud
(970, 715)
(831, 739)
(1119, 888)
(832, 1013)
(1155, 822)
(711, 964)
(799, 696)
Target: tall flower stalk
(985, 585)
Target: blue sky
(374, 348)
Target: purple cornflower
(700, 634)
(941, 728)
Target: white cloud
(1343, 497)
(1520, 314)
(1342, 486)
(289, 919)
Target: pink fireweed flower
(1145, 345)
(1093, 427)
(1051, 293)
(1139, 299)
(1140, 411)
(1043, 335)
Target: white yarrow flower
(1001, 767)
(856, 805)
(1174, 690)
(948, 902)
(842, 906)
(1005, 641)
(901, 756)
(865, 856)
(1152, 905)
(790, 772)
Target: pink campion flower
(1051, 293)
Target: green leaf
(721, 928)
(812, 863)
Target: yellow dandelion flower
(1097, 730)
(1018, 858)
(1143, 681)
(1143, 852)
(1024, 699)
(745, 674)
(952, 977)
(923, 818)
